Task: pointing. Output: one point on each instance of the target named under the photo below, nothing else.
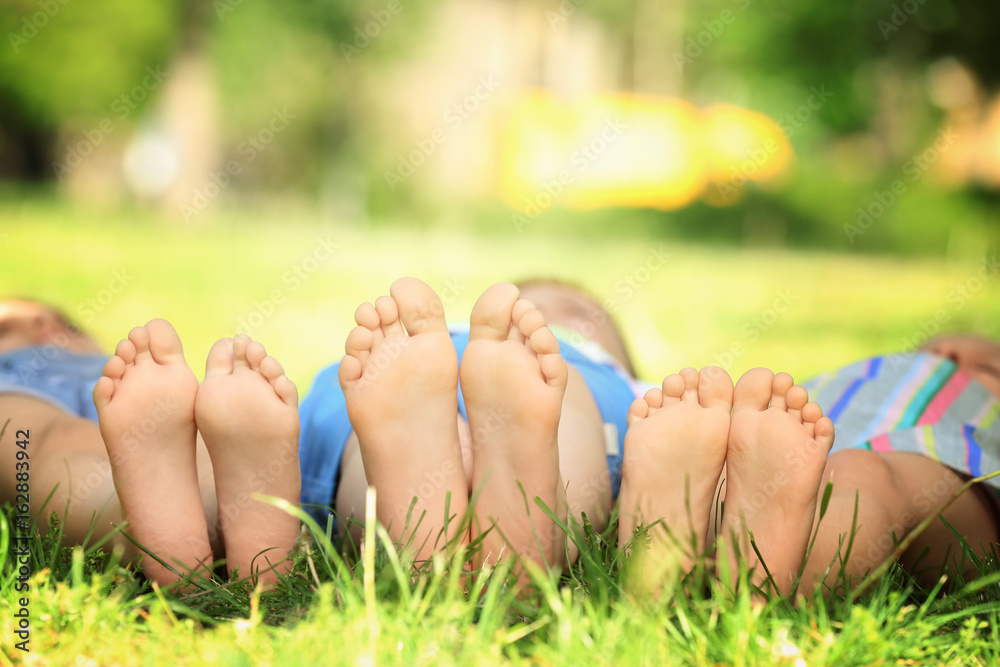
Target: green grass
(87, 609)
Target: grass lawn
(294, 284)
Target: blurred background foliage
(314, 104)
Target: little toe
(349, 371)
(780, 384)
(388, 316)
(103, 391)
(164, 343)
(753, 390)
(492, 314)
(825, 432)
(690, 393)
(220, 359)
(418, 305)
(654, 398)
(554, 369)
(255, 354)
(114, 369)
(240, 344)
(286, 390)
(715, 388)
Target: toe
(366, 316)
(528, 321)
(359, 343)
(796, 398)
(492, 315)
(811, 411)
(653, 398)
(673, 386)
(349, 372)
(554, 370)
(255, 354)
(825, 432)
(753, 390)
(543, 341)
(139, 337)
(715, 388)
(114, 369)
(164, 343)
(240, 344)
(220, 358)
(126, 351)
(286, 390)
(419, 307)
(780, 384)
(103, 391)
(388, 316)
(690, 377)
(637, 411)
(271, 369)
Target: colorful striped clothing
(914, 402)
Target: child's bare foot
(247, 414)
(145, 405)
(675, 449)
(513, 382)
(778, 446)
(401, 388)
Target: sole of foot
(400, 380)
(247, 413)
(513, 382)
(778, 447)
(145, 405)
(675, 449)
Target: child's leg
(145, 403)
(534, 426)
(401, 388)
(895, 492)
(778, 445)
(246, 411)
(675, 449)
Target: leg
(246, 411)
(895, 492)
(778, 446)
(674, 452)
(145, 403)
(401, 388)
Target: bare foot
(513, 381)
(145, 406)
(675, 449)
(778, 446)
(401, 388)
(247, 414)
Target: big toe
(220, 358)
(164, 343)
(753, 390)
(715, 388)
(492, 315)
(420, 309)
